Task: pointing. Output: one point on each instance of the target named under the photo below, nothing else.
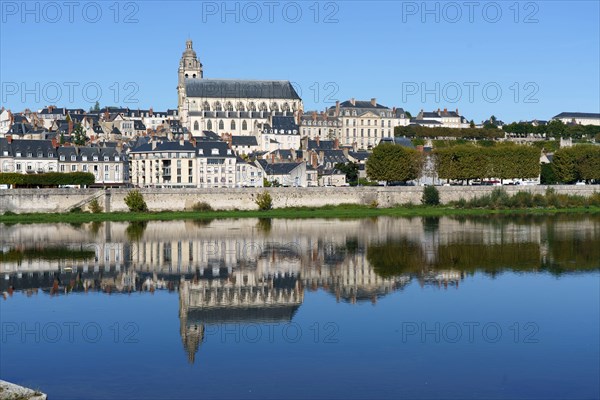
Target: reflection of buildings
(241, 296)
(252, 271)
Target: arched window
(274, 106)
(263, 106)
(221, 124)
(206, 106)
(186, 75)
(251, 106)
(193, 76)
(209, 125)
(285, 107)
(240, 106)
(232, 125)
(244, 125)
(228, 106)
(218, 106)
(196, 126)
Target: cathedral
(232, 106)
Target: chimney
(9, 139)
(336, 144)
(70, 126)
(272, 158)
(354, 146)
(337, 108)
(457, 111)
(445, 111)
(438, 111)
(353, 101)
(151, 112)
(55, 143)
(345, 150)
(374, 102)
(314, 115)
(314, 160)
(318, 141)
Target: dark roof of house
(222, 315)
(577, 115)
(334, 156)
(164, 145)
(359, 155)
(225, 88)
(321, 145)
(286, 124)
(244, 141)
(399, 140)
(26, 146)
(278, 168)
(360, 104)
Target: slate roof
(26, 146)
(577, 115)
(225, 88)
(244, 141)
(287, 124)
(321, 145)
(89, 152)
(278, 168)
(361, 104)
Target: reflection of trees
(46, 254)
(95, 228)
(135, 230)
(573, 255)
(395, 258)
(264, 225)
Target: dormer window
(105, 158)
(40, 154)
(117, 158)
(215, 152)
(62, 157)
(95, 158)
(73, 158)
(29, 154)
(201, 151)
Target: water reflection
(255, 271)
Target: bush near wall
(52, 179)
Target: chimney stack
(318, 141)
(445, 111)
(337, 108)
(374, 102)
(70, 126)
(9, 139)
(336, 144)
(55, 143)
(353, 101)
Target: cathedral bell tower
(189, 68)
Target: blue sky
(516, 60)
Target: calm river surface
(493, 307)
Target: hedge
(47, 179)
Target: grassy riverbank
(341, 211)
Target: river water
(487, 307)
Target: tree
(96, 107)
(135, 201)
(472, 124)
(78, 135)
(264, 201)
(580, 162)
(394, 163)
(431, 196)
(351, 171)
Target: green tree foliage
(431, 196)
(78, 135)
(580, 162)
(415, 131)
(351, 171)
(135, 201)
(95, 206)
(547, 176)
(554, 128)
(264, 201)
(506, 161)
(394, 163)
(49, 179)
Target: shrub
(75, 210)
(95, 206)
(264, 201)
(431, 196)
(374, 204)
(8, 213)
(135, 201)
(202, 206)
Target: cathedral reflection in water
(257, 271)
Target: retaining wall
(62, 200)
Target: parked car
(580, 183)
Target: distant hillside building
(578, 118)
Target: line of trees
(49, 179)
(394, 163)
(554, 128)
(507, 161)
(577, 163)
(416, 131)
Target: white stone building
(578, 118)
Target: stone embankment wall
(63, 200)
